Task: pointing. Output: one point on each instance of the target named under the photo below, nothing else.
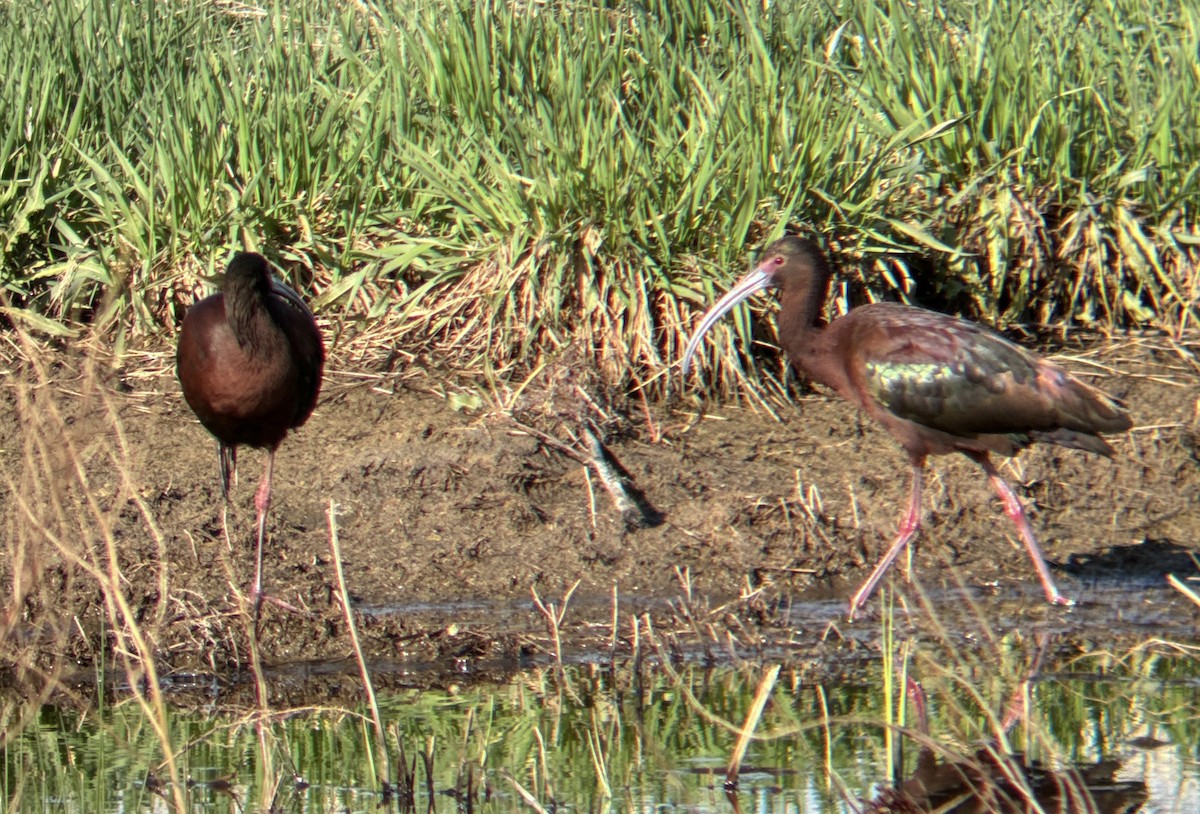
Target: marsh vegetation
(507, 217)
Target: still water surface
(647, 739)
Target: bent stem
(343, 597)
(554, 619)
(753, 716)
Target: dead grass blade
(753, 715)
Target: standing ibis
(937, 383)
(250, 360)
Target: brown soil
(448, 518)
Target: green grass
(492, 180)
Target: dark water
(1113, 679)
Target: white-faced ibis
(939, 384)
(250, 360)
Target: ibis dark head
(247, 272)
(794, 265)
(793, 261)
(258, 306)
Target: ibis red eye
(779, 261)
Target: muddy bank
(448, 516)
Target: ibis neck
(800, 318)
(246, 312)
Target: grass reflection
(605, 740)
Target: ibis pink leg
(262, 502)
(1013, 508)
(908, 527)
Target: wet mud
(449, 515)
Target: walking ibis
(250, 360)
(937, 383)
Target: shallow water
(1111, 679)
(646, 737)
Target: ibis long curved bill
(757, 280)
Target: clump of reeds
(488, 180)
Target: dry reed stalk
(524, 794)
(343, 597)
(554, 619)
(613, 639)
(753, 716)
